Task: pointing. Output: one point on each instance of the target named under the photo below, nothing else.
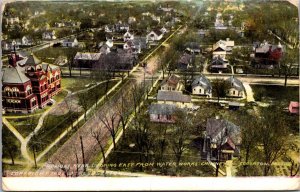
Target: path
(249, 92)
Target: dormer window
(28, 90)
(15, 92)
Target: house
(174, 98)
(70, 42)
(26, 40)
(109, 28)
(105, 47)
(131, 20)
(219, 23)
(221, 139)
(86, 60)
(128, 36)
(219, 64)
(267, 54)
(192, 47)
(164, 30)
(294, 107)
(154, 35)
(8, 45)
(236, 87)
(30, 86)
(221, 48)
(12, 20)
(49, 35)
(171, 83)
(162, 113)
(185, 61)
(201, 86)
(116, 59)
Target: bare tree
(111, 121)
(180, 135)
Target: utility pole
(83, 160)
(33, 149)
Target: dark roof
(32, 60)
(185, 59)
(70, 40)
(236, 83)
(14, 75)
(162, 109)
(157, 32)
(218, 61)
(173, 96)
(172, 80)
(202, 81)
(218, 128)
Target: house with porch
(154, 35)
(171, 83)
(236, 88)
(174, 98)
(221, 48)
(202, 86)
(222, 140)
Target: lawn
(10, 144)
(128, 151)
(25, 125)
(53, 126)
(50, 54)
(275, 93)
(75, 84)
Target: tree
(289, 59)
(9, 147)
(111, 121)
(220, 88)
(124, 110)
(272, 136)
(84, 102)
(70, 58)
(180, 135)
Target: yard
(11, 145)
(50, 54)
(25, 125)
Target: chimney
(12, 59)
(217, 117)
(227, 39)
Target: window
(169, 117)
(15, 92)
(233, 92)
(8, 91)
(199, 90)
(158, 116)
(28, 90)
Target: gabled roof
(14, 75)
(87, 56)
(157, 32)
(218, 129)
(235, 83)
(176, 96)
(203, 82)
(162, 109)
(219, 61)
(32, 60)
(70, 40)
(172, 80)
(185, 58)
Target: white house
(221, 48)
(154, 35)
(202, 86)
(70, 42)
(26, 40)
(12, 20)
(128, 36)
(49, 35)
(236, 89)
(176, 98)
(164, 30)
(131, 20)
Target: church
(28, 83)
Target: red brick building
(28, 84)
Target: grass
(75, 84)
(25, 125)
(10, 143)
(53, 126)
(276, 93)
(50, 54)
(60, 96)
